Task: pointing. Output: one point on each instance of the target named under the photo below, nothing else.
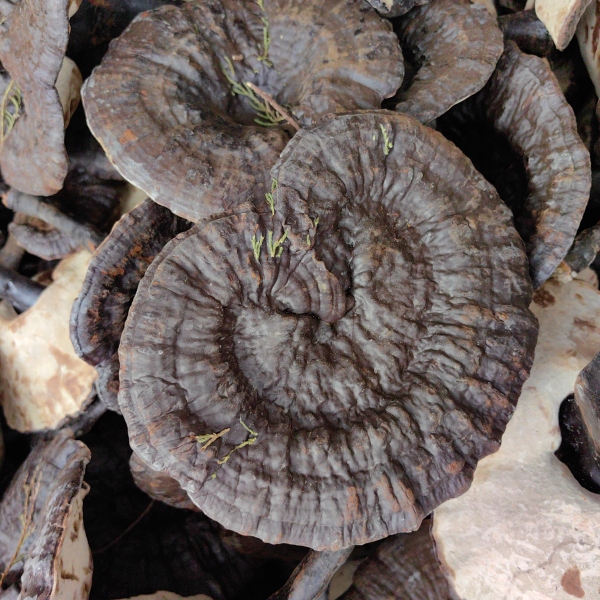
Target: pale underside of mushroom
(588, 37)
(561, 18)
(42, 379)
(526, 529)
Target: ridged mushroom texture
(194, 104)
(326, 373)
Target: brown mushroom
(42, 539)
(179, 103)
(395, 8)
(333, 406)
(453, 46)
(34, 40)
(403, 566)
(523, 110)
(580, 428)
(42, 380)
(527, 31)
(112, 279)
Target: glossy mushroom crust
(524, 105)
(162, 102)
(112, 279)
(33, 43)
(395, 8)
(345, 427)
(454, 46)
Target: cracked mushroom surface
(453, 46)
(43, 543)
(33, 158)
(328, 374)
(547, 180)
(173, 101)
(111, 281)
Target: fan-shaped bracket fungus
(39, 96)
(346, 342)
(42, 380)
(214, 146)
(454, 46)
(524, 105)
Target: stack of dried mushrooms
(299, 251)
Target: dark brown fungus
(523, 106)
(100, 310)
(584, 250)
(454, 46)
(580, 428)
(34, 36)
(42, 539)
(328, 375)
(173, 104)
(404, 566)
(527, 31)
(395, 8)
(310, 580)
(20, 291)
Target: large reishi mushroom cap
(100, 310)
(454, 45)
(162, 102)
(328, 435)
(33, 44)
(525, 106)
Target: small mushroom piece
(284, 427)
(526, 528)
(159, 485)
(310, 580)
(403, 566)
(527, 31)
(395, 8)
(580, 428)
(201, 139)
(561, 18)
(525, 109)
(34, 40)
(42, 541)
(584, 250)
(454, 46)
(112, 279)
(41, 378)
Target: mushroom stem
(20, 291)
(289, 119)
(311, 577)
(11, 253)
(84, 234)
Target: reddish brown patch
(128, 136)
(544, 298)
(571, 582)
(583, 324)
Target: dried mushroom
(112, 279)
(34, 40)
(310, 580)
(527, 31)
(41, 378)
(588, 37)
(403, 566)
(183, 102)
(42, 540)
(158, 485)
(454, 46)
(561, 18)
(526, 522)
(361, 347)
(546, 182)
(580, 429)
(395, 8)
